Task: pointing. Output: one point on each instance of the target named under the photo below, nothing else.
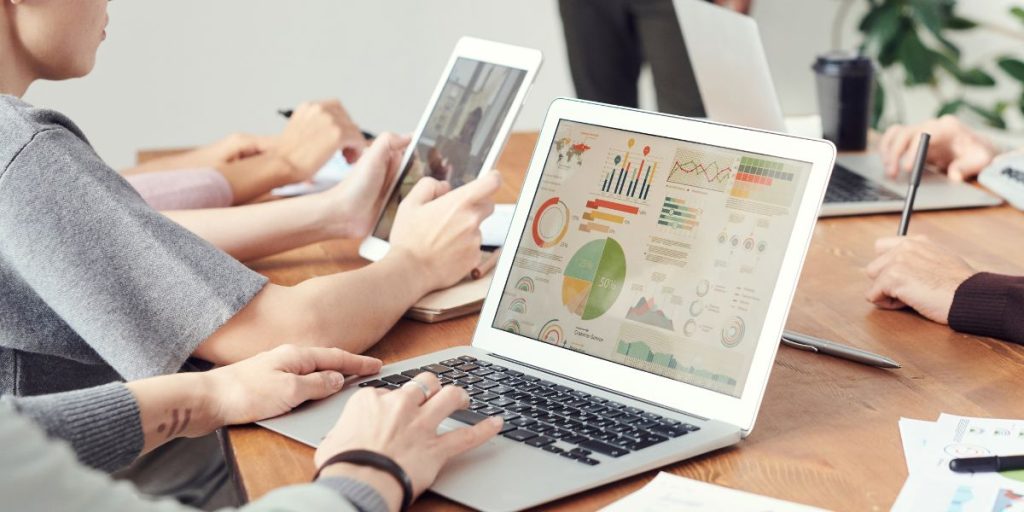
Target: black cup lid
(843, 63)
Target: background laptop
(634, 317)
(737, 88)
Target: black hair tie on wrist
(376, 461)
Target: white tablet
(465, 125)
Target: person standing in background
(609, 41)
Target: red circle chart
(550, 223)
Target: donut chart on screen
(550, 223)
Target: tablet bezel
(373, 248)
(742, 411)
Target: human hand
(912, 271)
(440, 228)
(953, 146)
(314, 132)
(402, 425)
(277, 381)
(353, 204)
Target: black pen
(915, 182)
(987, 464)
(287, 112)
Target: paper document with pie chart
(654, 253)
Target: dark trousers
(609, 40)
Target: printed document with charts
(929, 446)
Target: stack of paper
(670, 492)
(929, 446)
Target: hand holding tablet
(462, 131)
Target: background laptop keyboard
(846, 186)
(545, 415)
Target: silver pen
(812, 344)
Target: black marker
(987, 464)
(915, 182)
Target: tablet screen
(473, 104)
(654, 253)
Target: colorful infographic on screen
(654, 253)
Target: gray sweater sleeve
(102, 423)
(43, 475)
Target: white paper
(333, 172)
(915, 434)
(668, 492)
(495, 228)
(929, 446)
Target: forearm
(350, 310)
(256, 176)
(173, 406)
(253, 231)
(173, 160)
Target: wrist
(284, 168)
(416, 271)
(212, 395)
(385, 485)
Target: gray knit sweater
(103, 427)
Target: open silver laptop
(635, 313)
(735, 83)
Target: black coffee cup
(845, 93)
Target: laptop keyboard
(558, 419)
(846, 186)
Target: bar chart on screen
(630, 173)
(603, 216)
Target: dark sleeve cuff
(990, 305)
(102, 424)
(363, 497)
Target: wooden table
(827, 433)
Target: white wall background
(189, 71)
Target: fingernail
(336, 380)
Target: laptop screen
(655, 253)
(461, 130)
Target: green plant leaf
(883, 27)
(1013, 67)
(1020, 103)
(975, 77)
(929, 13)
(959, 23)
(950, 107)
(1018, 12)
(918, 61)
(993, 117)
(878, 105)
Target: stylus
(812, 344)
(915, 183)
(287, 112)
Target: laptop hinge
(602, 388)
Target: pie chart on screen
(593, 278)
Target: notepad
(464, 298)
